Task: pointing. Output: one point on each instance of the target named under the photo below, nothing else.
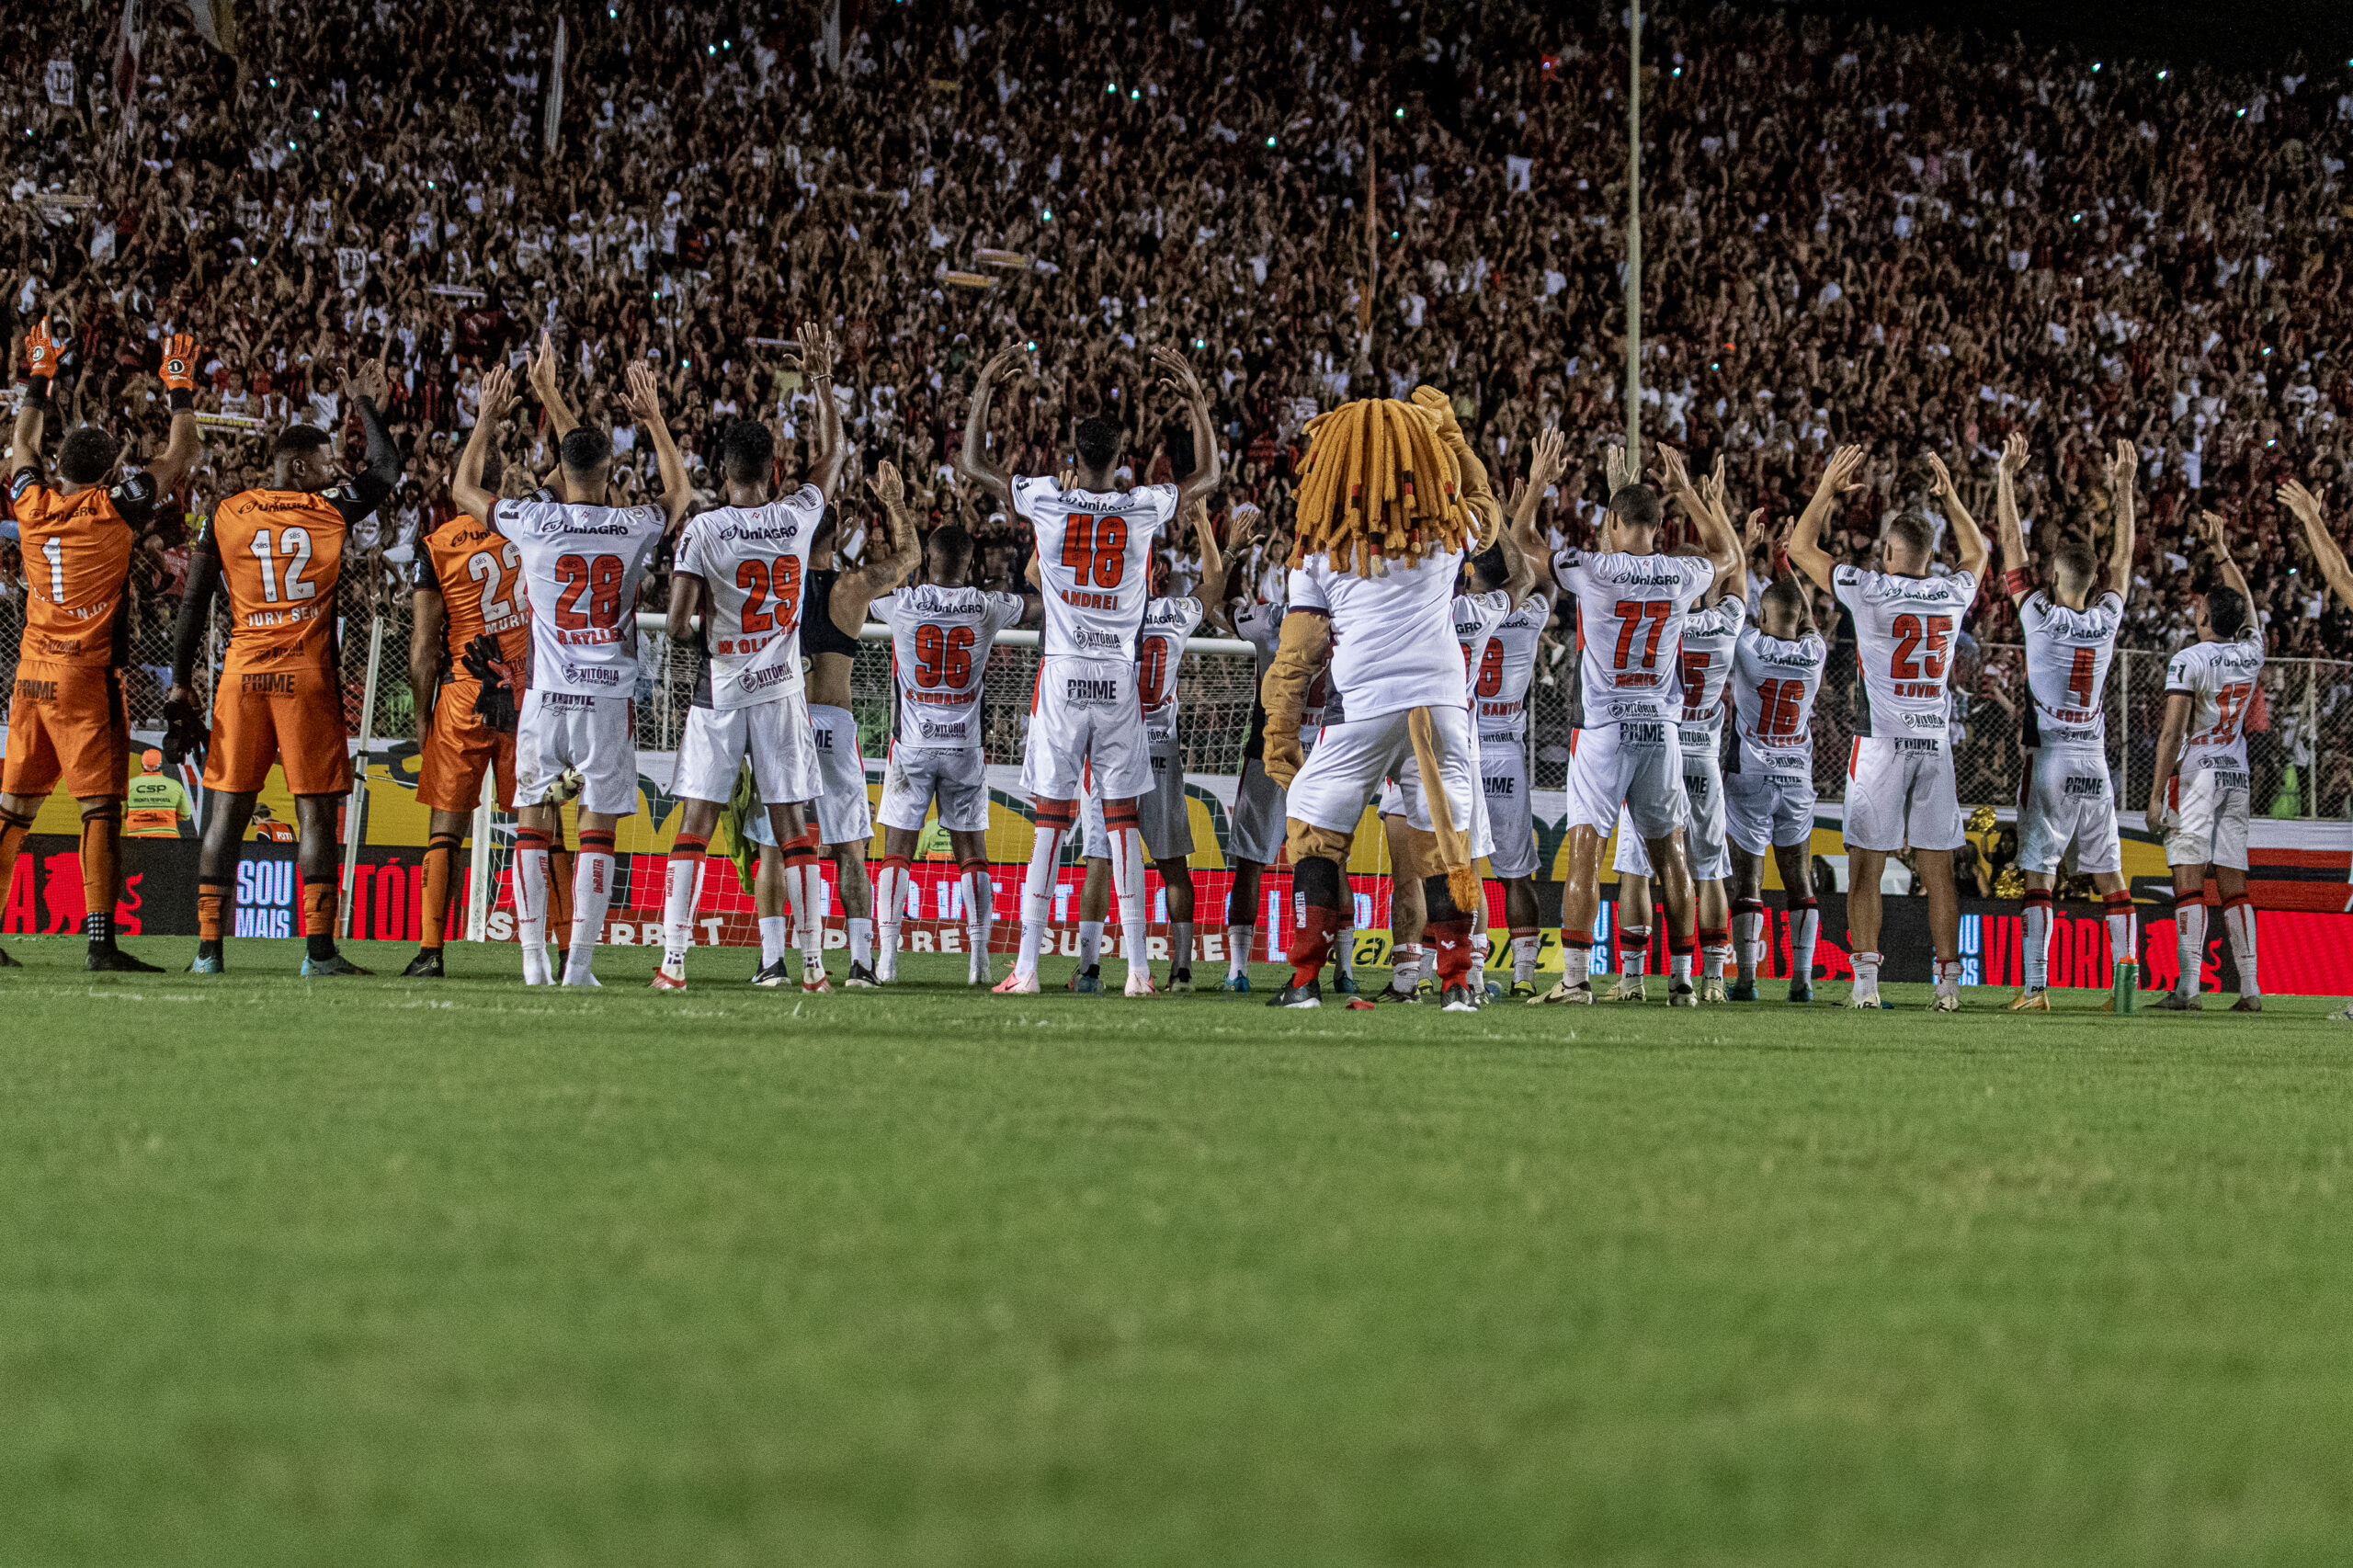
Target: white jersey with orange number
(1774, 684)
(750, 560)
(581, 569)
(2221, 679)
(1507, 667)
(939, 647)
(1392, 635)
(1093, 555)
(1630, 610)
(1904, 629)
(2067, 656)
(1701, 666)
(1160, 648)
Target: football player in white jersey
(941, 631)
(1631, 604)
(1094, 550)
(1768, 794)
(583, 559)
(1711, 635)
(735, 598)
(1899, 787)
(2330, 559)
(2066, 800)
(2199, 796)
(1162, 816)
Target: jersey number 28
(595, 577)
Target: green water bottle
(2128, 987)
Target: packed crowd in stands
(1905, 239)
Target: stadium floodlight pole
(1635, 236)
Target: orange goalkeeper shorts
(291, 714)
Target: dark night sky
(2251, 35)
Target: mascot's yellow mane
(1387, 481)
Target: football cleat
(665, 981)
(1630, 988)
(2175, 1002)
(1299, 996)
(773, 975)
(1180, 980)
(1870, 999)
(427, 965)
(1522, 988)
(1140, 983)
(1743, 991)
(813, 982)
(7, 962)
(860, 978)
(586, 982)
(1801, 991)
(201, 964)
(114, 961)
(327, 967)
(1017, 984)
(1711, 988)
(1391, 994)
(2243, 1005)
(1087, 981)
(2034, 999)
(1564, 994)
(1682, 996)
(1237, 983)
(2343, 1014)
(1460, 999)
(1347, 984)
(1945, 1002)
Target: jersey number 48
(1095, 549)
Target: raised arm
(466, 486)
(1970, 542)
(973, 462)
(2005, 516)
(1838, 476)
(2218, 540)
(1208, 465)
(1212, 590)
(2120, 469)
(644, 401)
(541, 369)
(185, 448)
(1722, 545)
(2325, 553)
(32, 407)
(1523, 547)
(855, 591)
(817, 354)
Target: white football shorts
(917, 776)
(1704, 831)
(1636, 764)
(2205, 821)
(1355, 756)
(774, 737)
(1255, 834)
(843, 814)
(1160, 816)
(559, 729)
(1770, 806)
(1503, 776)
(1901, 794)
(1085, 726)
(2066, 800)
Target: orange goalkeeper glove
(43, 352)
(179, 362)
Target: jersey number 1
(1095, 549)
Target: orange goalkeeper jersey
(480, 574)
(282, 557)
(77, 564)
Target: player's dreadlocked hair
(1382, 481)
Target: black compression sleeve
(196, 611)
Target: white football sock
(2035, 958)
(1866, 974)
(1748, 942)
(680, 875)
(591, 894)
(776, 936)
(891, 905)
(1806, 929)
(531, 914)
(1679, 967)
(1038, 895)
(2238, 919)
(811, 912)
(2123, 934)
(1714, 960)
(980, 914)
(1238, 942)
(1576, 964)
(1126, 888)
(1405, 966)
(2189, 940)
(1343, 950)
(1090, 944)
(861, 941)
(1180, 947)
(1635, 950)
(1948, 977)
(1524, 948)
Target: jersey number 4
(758, 582)
(943, 655)
(1631, 615)
(1095, 549)
(1920, 644)
(597, 578)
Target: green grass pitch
(387, 1272)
